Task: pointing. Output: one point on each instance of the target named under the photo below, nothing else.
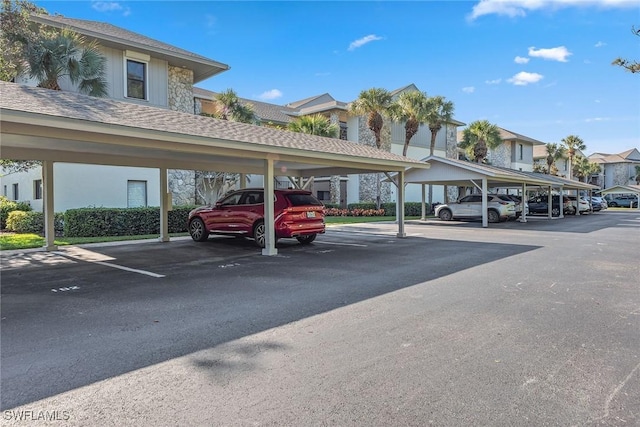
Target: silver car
(470, 207)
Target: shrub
(410, 208)
(7, 206)
(33, 222)
(99, 222)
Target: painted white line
(342, 244)
(133, 270)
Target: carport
(453, 172)
(624, 189)
(55, 126)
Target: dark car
(298, 214)
(540, 205)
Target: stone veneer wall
(182, 183)
(368, 185)
(452, 153)
(621, 174)
(334, 182)
(501, 156)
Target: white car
(470, 207)
(585, 206)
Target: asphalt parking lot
(515, 324)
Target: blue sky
(541, 68)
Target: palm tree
(68, 54)
(554, 153)
(583, 168)
(439, 111)
(315, 124)
(479, 137)
(573, 143)
(230, 107)
(375, 104)
(410, 108)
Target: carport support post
(49, 215)
(424, 209)
(523, 203)
(561, 203)
(243, 180)
(164, 206)
(269, 216)
(485, 190)
(400, 205)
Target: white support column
(424, 207)
(561, 203)
(49, 213)
(269, 216)
(549, 203)
(243, 180)
(523, 202)
(485, 190)
(165, 202)
(400, 205)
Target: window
(136, 194)
(5, 191)
(136, 79)
(37, 189)
(521, 151)
(324, 195)
(16, 194)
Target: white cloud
(523, 78)
(517, 8)
(322, 74)
(559, 53)
(520, 60)
(364, 40)
(597, 119)
(493, 82)
(469, 89)
(270, 94)
(211, 20)
(600, 44)
(110, 6)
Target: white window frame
(37, 189)
(146, 192)
(143, 59)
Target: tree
(410, 108)
(637, 167)
(583, 168)
(555, 152)
(68, 54)
(12, 166)
(229, 107)
(16, 34)
(479, 137)
(375, 104)
(572, 143)
(210, 186)
(632, 66)
(439, 111)
(315, 124)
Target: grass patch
(27, 241)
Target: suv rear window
(303, 200)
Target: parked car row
(624, 201)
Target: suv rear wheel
(259, 232)
(493, 216)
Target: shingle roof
(108, 33)
(142, 118)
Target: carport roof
(622, 189)
(42, 124)
(445, 171)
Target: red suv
(241, 213)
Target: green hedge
(7, 206)
(98, 222)
(410, 208)
(33, 222)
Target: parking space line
(342, 244)
(133, 270)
